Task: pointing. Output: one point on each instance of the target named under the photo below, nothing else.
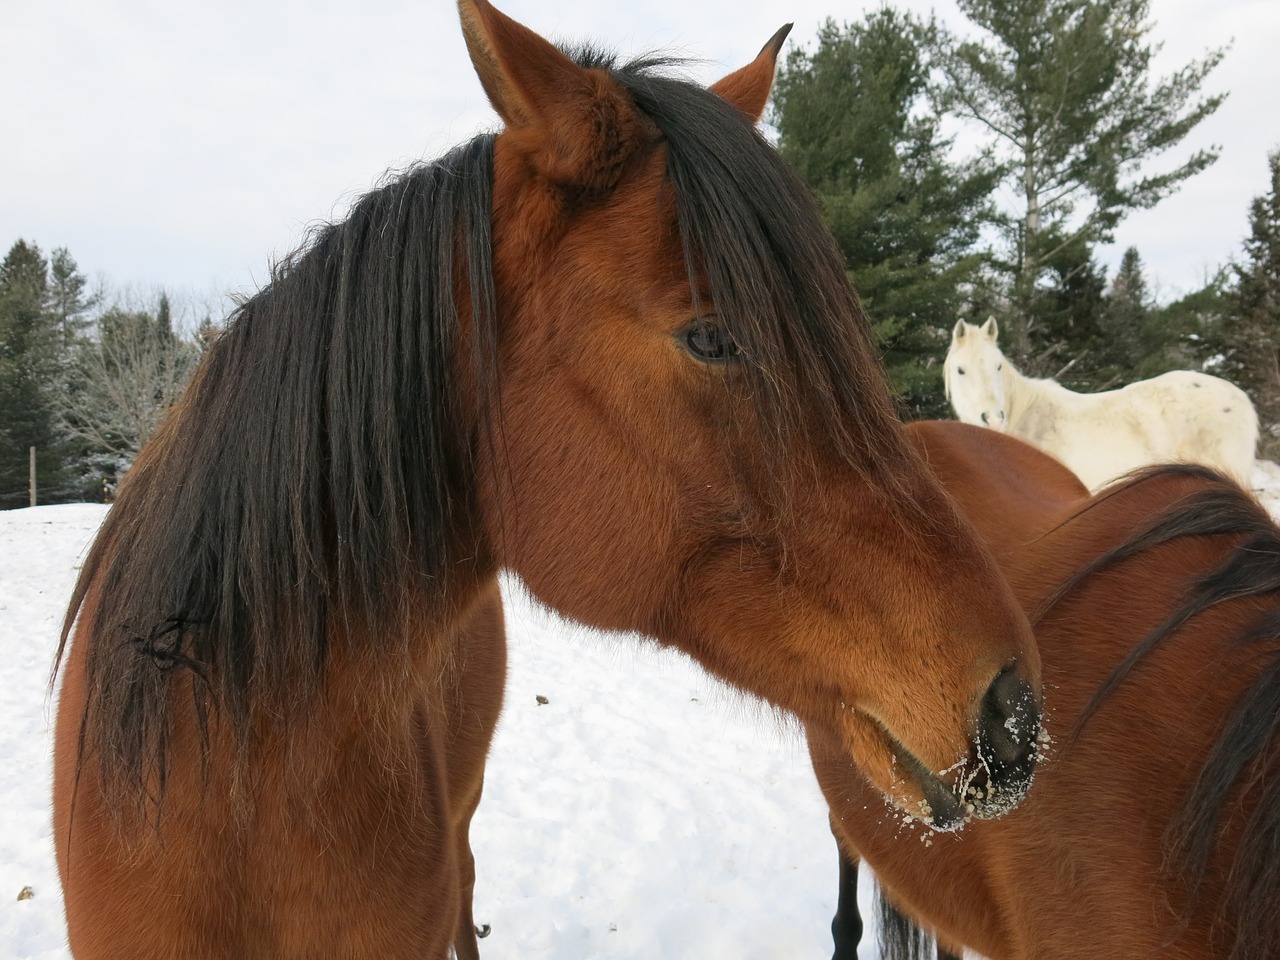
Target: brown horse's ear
(522, 74)
(991, 329)
(748, 88)
(578, 126)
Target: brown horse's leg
(846, 925)
(474, 705)
(465, 946)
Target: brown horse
(1153, 826)
(612, 349)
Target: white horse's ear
(991, 329)
(957, 332)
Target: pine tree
(1142, 339)
(1189, 331)
(1069, 313)
(1251, 330)
(1125, 340)
(906, 218)
(1062, 90)
(28, 367)
(69, 300)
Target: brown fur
(401, 756)
(1087, 864)
(284, 763)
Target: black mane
(314, 464)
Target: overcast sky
(184, 145)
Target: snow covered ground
(644, 811)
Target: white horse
(1177, 416)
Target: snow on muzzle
(996, 775)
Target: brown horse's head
(690, 436)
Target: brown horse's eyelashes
(707, 341)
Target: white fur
(1177, 416)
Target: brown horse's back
(1008, 489)
(1083, 859)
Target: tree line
(1058, 97)
(1067, 120)
(84, 378)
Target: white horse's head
(974, 377)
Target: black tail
(898, 936)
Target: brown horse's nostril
(1008, 732)
(1010, 723)
(1010, 720)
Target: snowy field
(644, 811)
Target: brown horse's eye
(707, 342)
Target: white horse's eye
(960, 370)
(999, 366)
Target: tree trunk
(1024, 284)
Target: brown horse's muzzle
(998, 772)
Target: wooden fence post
(32, 451)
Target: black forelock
(776, 278)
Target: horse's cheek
(577, 515)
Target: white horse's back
(1205, 419)
(1177, 416)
